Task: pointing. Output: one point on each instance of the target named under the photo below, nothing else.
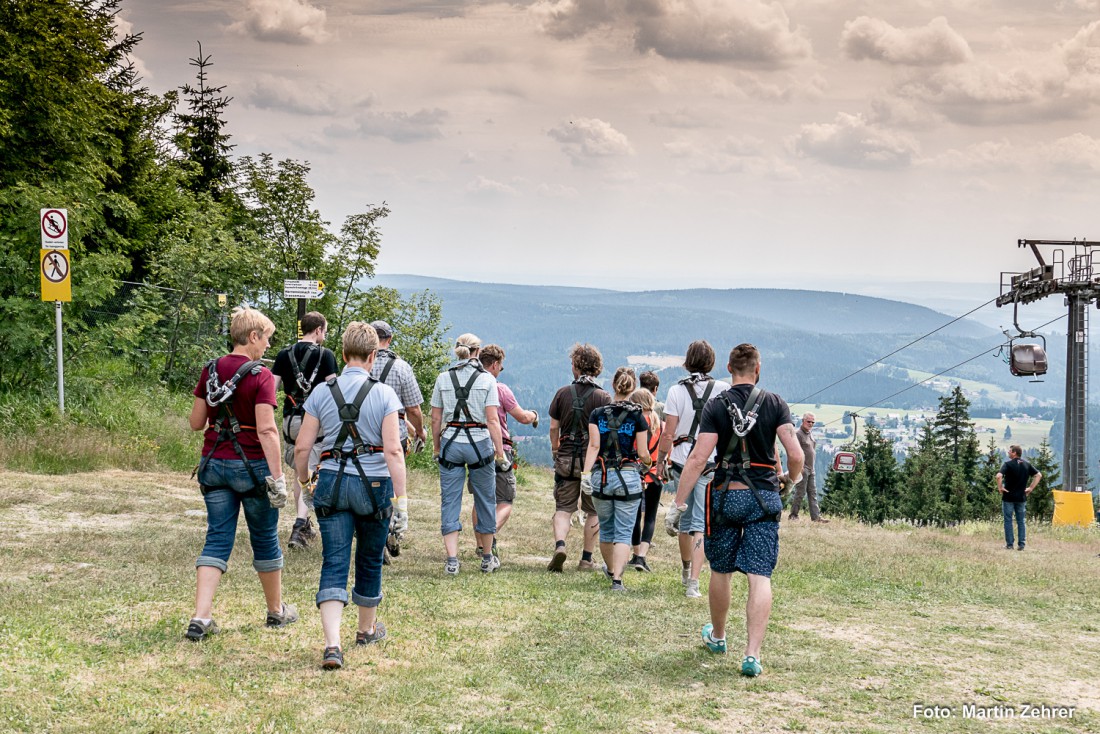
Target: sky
(867, 146)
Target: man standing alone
(1012, 483)
(807, 488)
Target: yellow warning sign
(56, 272)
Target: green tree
(201, 135)
(925, 475)
(985, 500)
(357, 249)
(871, 492)
(952, 425)
(1008, 432)
(1040, 503)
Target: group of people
(711, 445)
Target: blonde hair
(466, 345)
(645, 400)
(360, 341)
(246, 320)
(624, 381)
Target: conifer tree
(1040, 503)
(202, 137)
(985, 500)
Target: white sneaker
(489, 565)
(692, 590)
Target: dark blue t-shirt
(633, 422)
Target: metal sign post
(55, 275)
(60, 358)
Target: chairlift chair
(845, 462)
(1026, 360)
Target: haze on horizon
(816, 144)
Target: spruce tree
(985, 500)
(202, 138)
(1040, 503)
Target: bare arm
(641, 447)
(492, 420)
(268, 433)
(307, 436)
(664, 447)
(415, 416)
(694, 466)
(796, 460)
(555, 434)
(197, 419)
(437, 427)
(526, 417)
(1000, 483)
(593, 447)
(395, 455)
(278, 383)
(1034, 483)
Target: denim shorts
(617, 516)
(228, 489)
(748, 547)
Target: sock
(452, 558)
(687, 564)
(487, 557)
(206, 621)
(717, 639)
(617, 581)
(559, 544)
(586, 555)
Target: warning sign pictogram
(55, 229)
(56, 275)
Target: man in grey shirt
(391, 370)
(808, 486)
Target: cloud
(1068, 156)
(729, 155)
(683, 118)
(279, 93)
(482, 186)
(749, 32)
(850, 142)
(125, 28)
(283, 21)
(586, 139)
(399, 127)
(935, 44)
(556, 191)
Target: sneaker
(369, 638)
(583, 565)
(821, 520)
(386, 557)
(1021, 547)
(450, 567)
(197, 630)
(692, 589)
(480, 551)
(617, 587)
(557, 563)
(751, 667)
(685, 576)
(606, 571)
(287, 615)
(715, 646)
(393, 545)
(1008, 547)
(641, 565)
(301, 534)
(792, 516)
(490, 564)
(333, 659)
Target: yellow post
(1073, 508)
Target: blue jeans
(229, 488)
(1019, 511)
(337, 531)
(617, 516)
(484, 483)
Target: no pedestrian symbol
(56, 274)
(55, 229)
(55, 266)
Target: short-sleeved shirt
(561, 410)
(251, 391)
(307, 353)
(773, 413)
(380, 402)
(508, 403)
(809, 448)
(401, 378)
(632, 422)
(679, 405)
(483, 394)
(1016, 473)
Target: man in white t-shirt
(683, 412)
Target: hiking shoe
(386, 557)
(640, 564)
(490, 564)
(333, 659)
(691, 591)
(1008, 547)
(617, 587)
(450, 567)
(715, 646)
(751, 667)
(557, 563)
(369, 638)
(685, 576)
(393, 545)
(821, 520)
(1021, 547)
(792, 516)
(301, 534)
(607, 571)
(583, 565)
(287, 615)
(197, 630)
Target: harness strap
(736, 455)
(462, 408)
(305, 385)
(578, 426)
(614, 456)
(349, 428)
(225, 422)
(697, 405)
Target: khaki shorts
(567, 485)
(291, 425)
(506, 483)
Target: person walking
(683, 413)
(469, 443)
(362, 467)
(807, 488)
(569, 412)
(492, 359)
(298, 369)
(743, 504)
(642, 537)
(241, 468)
(617, 442)
(1013, 484)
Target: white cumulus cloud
(284, 21)
(935, 44)
(482, 186)
(851, 142)
(584, 139)
(280, 93)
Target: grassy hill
(96, 586)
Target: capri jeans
(617, 516)
(338, 530)
(229, 487)
(483, 480)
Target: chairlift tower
(1078, 280)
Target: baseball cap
(385, 331)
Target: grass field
(97, 577)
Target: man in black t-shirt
(742, 529)
(1012, 483)
(298, 369)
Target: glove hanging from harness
(462, 419)
(220, 395)
(615, 415)
(697, 405)
(736, 461)
(349, 429)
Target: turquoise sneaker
(751, 667)
(716, 646)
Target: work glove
(307, 490)
(535, 423)
(672, 519)
(276, 491)
(586, 484)
(502, 464)
(418, 445)
(400, 523)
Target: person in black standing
(1012, 483)
(298, 369)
